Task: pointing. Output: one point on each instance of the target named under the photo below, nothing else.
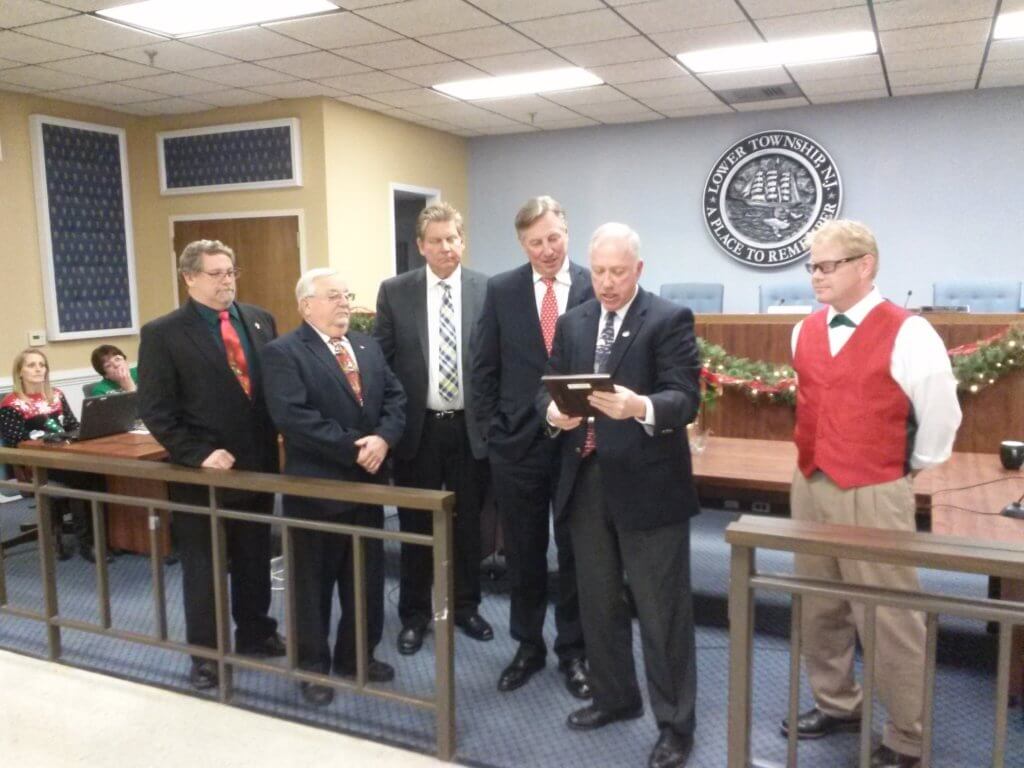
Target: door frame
(433, 195)
(175, 218)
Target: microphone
(907, 300)
(1014, 509)
(780, 302)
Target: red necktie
(235, 353)
(348, 367)
(548, 313)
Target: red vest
(851, 415)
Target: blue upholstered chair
(775, 294)
(978, 295)
(700, 297)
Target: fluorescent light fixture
(179, 18)
(802, 50)
(1009, 25)
(517, 85)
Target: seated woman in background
(112, 364)
(34, 409)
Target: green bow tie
(841, 319)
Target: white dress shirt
(920, 366)
(435, 293)
(620, 315)
(563, 281)
(344, 342)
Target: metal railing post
(157, 570)
(444, 641)
(47, 562)
(99, 540)
(795, 647)
(359, 593)
(928, 705)
(221, 603)
(741, 637)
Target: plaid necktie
(602, 352)
(348, 367)
(548, 313)
(448, 353)
(235, 353)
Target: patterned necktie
(841, 319)
(348, 367)
(602, 352)
(548, 313)
(448, 352)
(235, 353)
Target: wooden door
(267, 251)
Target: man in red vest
(876, 403)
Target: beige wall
(349, 156)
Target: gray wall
(939, 178)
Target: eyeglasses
(220, 274)
(828, 267)
(336, 297)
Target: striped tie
(448, 354)
(601, 354)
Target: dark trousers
(443, 460)
(248, 551)
(523, 494)
(657, 565)
(323, 562)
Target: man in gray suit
(424, 319)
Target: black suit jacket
(647, 479)
(401, 329)
(191, 401)
(509, 359)
(313, 405)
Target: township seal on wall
(766, 192)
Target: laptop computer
(106, 415)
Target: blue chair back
(978, 295)
(700, 297)
(774, 294)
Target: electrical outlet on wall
(36, 338)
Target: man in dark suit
(424, 321)
(201, 396)
(626, 488)
(510, 347)
(341, 410)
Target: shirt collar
(860, 310)
(621, 312)
(326, 339)
(212, 316)
(453, 279)
(562, 276)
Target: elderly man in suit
(424, 320)
(511, 345)
(201, 396)
(341, 411)
(636, 441)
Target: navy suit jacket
(314, 407)
(509, 359)
(647, 479)
(401, 328)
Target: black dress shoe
(410, 639)
(813, 724)
(376, 672)
(671, 751)
(523, 666)
(884, 757)
(577, 678)
(589, 718)
(203, 675)
(475, 626)
(315, 694)
(272, 645)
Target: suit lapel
(577, 287)
(532, 318)
(199, 334)
(630, 329)
(586, 342)
(320, 351)
(470, 309)
(417, 299)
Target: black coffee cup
(1011, 453)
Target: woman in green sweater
(111, 363)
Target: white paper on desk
(139, 431)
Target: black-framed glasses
(220, 274)
(828, 267)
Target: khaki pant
(830, 627)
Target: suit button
(579, 450)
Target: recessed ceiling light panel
(179, 18)
(803, 50)
(517, 85)
(1009, 26)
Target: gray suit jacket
(401, 328)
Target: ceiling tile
(512, 63)
(646, 117)
(947, 56)
(669, 86)
(523, 10)
(508, 130)
(615, 109)
(175, 84)
(362, 102)
(827, 70)
(671, 102)
(935, 36)
(1006, 50)
(574, 122)
(366, 82)
(1008, 66)
(913, 90)
(597, 94)
(638, 71)
(18, 88)
(432, 74)
(111, 93)
(100, 66)
(815, 88)
(242, 75)
(917, 13)
(414, 97)
(91, 33)
(751, 78)
(167, 107)
(88, 6)
(763, 9)
(707, 37)
(31, 50)
(670, 15)
(7, 64)
(354, 5)
(853, 19)
(586, 27)
(483, 41)
(16, 13)
(298, 89)
(711, 109)
(415, 18)
(529, 109)
(464, 115)
(34, 76)
(393, 54)
(250, 44)
(317, 64)
(235, 97)
(174, 55)
(833, 98)
(335, 30)
(929, 76)
(997, 79)
(757, 106)
(617, 51)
